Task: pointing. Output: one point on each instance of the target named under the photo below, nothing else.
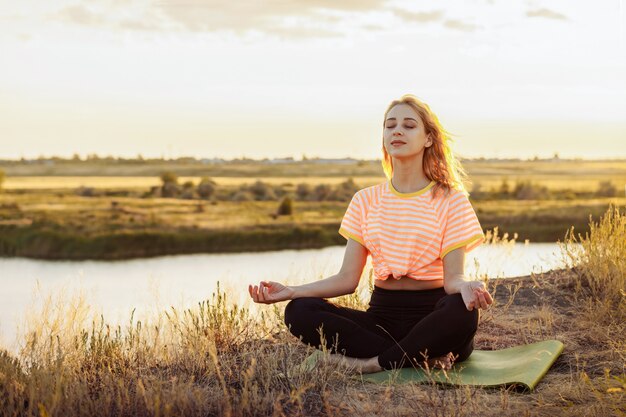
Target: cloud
(373, 28)
(285, 19)
(459, 25)
(80, 15)
(422, 17)
(300, 32)
(549, 14)
(239, 16)
(315, 18)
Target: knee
(300, 308)
(454, 305)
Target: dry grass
(218, 358)
(600, 265)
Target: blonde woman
(417, 227)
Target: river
(115, 288)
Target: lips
(397, 142)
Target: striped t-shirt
(408, 233)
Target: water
(115, 288)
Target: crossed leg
(439, 339)
(343, 330)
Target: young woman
(416, 226)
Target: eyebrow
(406, 118)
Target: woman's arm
(344, 282)
(454, 281)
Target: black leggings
(401, 327)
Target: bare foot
(364, 366)
(441, 362)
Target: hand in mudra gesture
(475, 295)
(270, 292)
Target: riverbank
(221, 359)
(48, 225)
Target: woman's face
(403, 134)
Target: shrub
(606, 189)
(169, 177)
(303, 191)
(286, 207)
(206, 188)
(170, 189)
(261, 191)
(187, 194)
(322, 192)
(170, 185)
(242, 195)
(279, 191)
(154, 191)
(600, 263)
(86, 191)
(527, 190)
(504, 189)
(343, 191)
(477, 192)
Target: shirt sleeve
(352, 222)
(462, 228)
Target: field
(62, 225)
(46, 212)
(578, 175)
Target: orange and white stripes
(410, 233)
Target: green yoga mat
(520, 365)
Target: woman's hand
(270, 292)
(475, 295)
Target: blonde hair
(439, 162)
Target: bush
(526, 190)
(86, 191)
(170, 186)
(279, 191)
(242, 195)
(600, 263)
(154, 191)
(170, 189)
(606, 189)
(187, 194)
(504, 189)
(303, 191)
(206, 188)
(261, 191)
(286, 207)
(477, 192)
(344, 191)
(322, 192)
(169, 177)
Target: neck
(408, 175)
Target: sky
(275, 78)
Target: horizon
(303, 158)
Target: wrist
(456, 284)
(293, 291)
